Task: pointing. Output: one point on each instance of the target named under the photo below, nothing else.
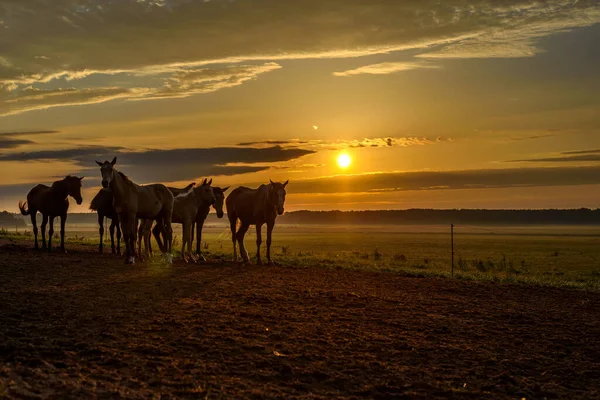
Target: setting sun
(344, 160)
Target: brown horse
(102, 203)
(255, 207)
(203, 213)
(133, 201)
(52, 202)
(145, 225)
(185, 210)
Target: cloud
(568, 156)
(180, 83)
(27, 133)
(386, 68)
(444, 180)
(133, 38)
(7, 143)
(31, 98)
(167, 165)
(352, 143)
(187, 82)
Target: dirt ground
(82, 325)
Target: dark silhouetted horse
(52, 202)
(254, 207)
(102, 203)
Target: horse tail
(96, 202)
(22, 206)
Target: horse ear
(114, 161)
(210, 182)
(225, 189)
(99, 163)
(81, 178)
(271, 181)
(204, 182)
(286, 182)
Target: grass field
(547, 255)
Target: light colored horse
(52, 202)
(145, 225)
(185, 211)
(132, 201)
(255, 207)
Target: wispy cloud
(591, 155)
(387, 68)
(192, 36)
(403, 141)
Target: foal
(52, 202)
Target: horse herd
(134, 208)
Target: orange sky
(439, 104)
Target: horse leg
(258, 242)
(35, 228)
(270, 227)
(185, 233)
(63, 221)
(147, 233)
(101, 231)
(232, 225)
(112, 235)
(156, 232)
(199, 226)
(50, 233)
(132, 236)
(240, 238)
(168, 228)
(118, 236)
(126, 228)
(198, 242)
(43, 227)
(140, 235)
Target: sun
(344, 160)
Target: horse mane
(95, 204)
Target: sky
(439, 104)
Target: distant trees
(582, 216)
(10, 219)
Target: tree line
(581, 216)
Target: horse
(52, 202)
(102, 203)
(203, 213)
(132, 201)
(145, 225)
(185, 210)
(255, 207)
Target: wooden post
(452, 244)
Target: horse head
(74, 187)
(107, 171)
(219, 200)
(277, 195)
(204, 193)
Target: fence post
(452, 244)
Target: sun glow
(344, 160)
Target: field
(542, 255)
(345, 313)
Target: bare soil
(82, 325)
